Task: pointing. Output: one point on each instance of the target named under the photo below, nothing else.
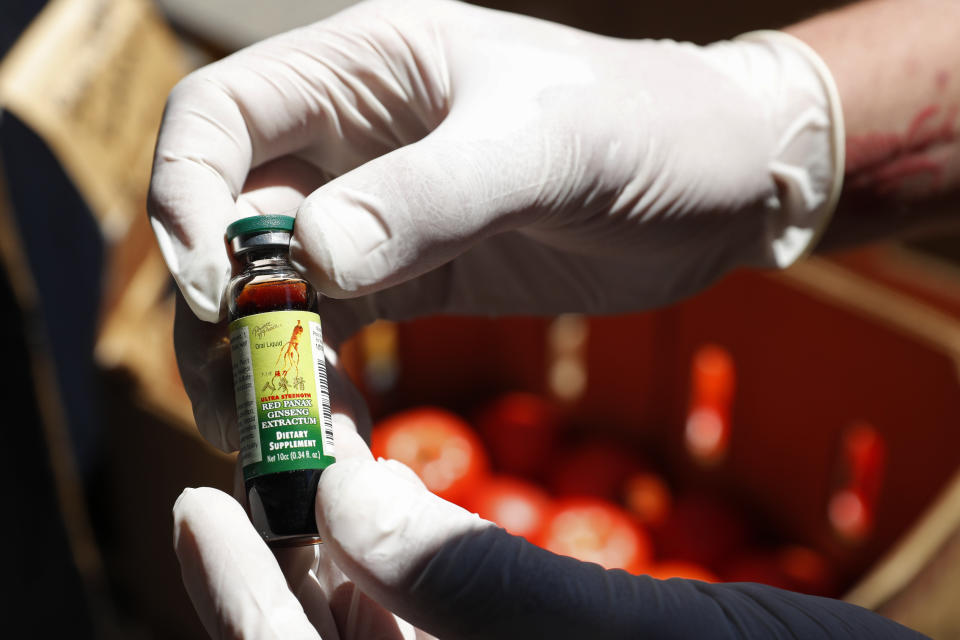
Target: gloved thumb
(380, 524)
(405, 213)
(453, 574)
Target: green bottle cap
(259, 224)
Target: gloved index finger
(202, 158)
(232, 578)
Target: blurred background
(795, 428)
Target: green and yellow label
(280, 381)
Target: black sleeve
(489, 584)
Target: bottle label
(280, 381)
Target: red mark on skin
(888, 177)
(882, 161)
(942, 80)
(921, 119)
(871, 149)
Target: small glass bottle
(280, 382)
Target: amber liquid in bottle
(269, 283)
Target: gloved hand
(391, 547)
(445, 157)
(242, 589)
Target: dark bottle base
(282, 506)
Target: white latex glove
(445, 157)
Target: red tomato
(439, 446)
(700, 530)
(598, 531)
(681, 569)
(647, 497)
(516, 505)
(520, 429)
(598, 468)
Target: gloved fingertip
(183, 495)
(313, 258)
(192, 504)
(339, 241)
(178, 508)
(202, 281)
(207, 503)
(340, 472)
(350, 444)
(206, 302)
(402, 470)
